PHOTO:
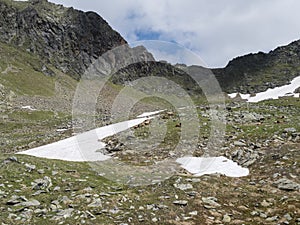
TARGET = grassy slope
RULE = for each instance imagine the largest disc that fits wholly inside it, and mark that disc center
(20, 73)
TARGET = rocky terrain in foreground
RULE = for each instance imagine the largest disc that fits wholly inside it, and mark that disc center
(263, 137)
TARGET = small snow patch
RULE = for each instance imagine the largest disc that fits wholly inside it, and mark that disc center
(232, 95)
(28, 107)
(245, 96)
(147, 114)
(275, 93)
(200, 166)
(272, 93)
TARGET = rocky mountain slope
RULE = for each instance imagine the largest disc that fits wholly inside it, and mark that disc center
(70, 40)
(254, 73)
(64, 37)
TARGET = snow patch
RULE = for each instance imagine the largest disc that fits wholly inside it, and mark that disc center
(232, 95)
(82, 147)
(275, 93)
(272, 93)
(245, 96)
(200, 166)
(28, 107)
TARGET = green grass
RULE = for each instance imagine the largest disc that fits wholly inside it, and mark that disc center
(20, 73)
(71, 174)
(24, 127)
(33, 116)
(290, 102)
(278, 114)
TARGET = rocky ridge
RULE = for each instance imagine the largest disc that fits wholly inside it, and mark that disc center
(67, 38)
(70, 40)
(257, 72)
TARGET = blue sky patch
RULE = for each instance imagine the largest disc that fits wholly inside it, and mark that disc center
(147, 35)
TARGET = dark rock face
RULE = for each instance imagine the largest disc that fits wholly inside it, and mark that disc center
(257, 72)
(157, 69)
(66, 38)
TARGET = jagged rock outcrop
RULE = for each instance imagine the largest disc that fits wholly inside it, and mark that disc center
(257, 72)
(125, 65)
(157, 69)
(67, 38)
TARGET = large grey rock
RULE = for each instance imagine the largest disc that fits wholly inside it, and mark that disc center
(180, 202)
(210, 202)
(15, 199)
(30, 167)
(96, 203)
(30, 203)
(290, 130)
(42, 184)
(239, 143)
(183, 187)
(286, 184)
(66, 213)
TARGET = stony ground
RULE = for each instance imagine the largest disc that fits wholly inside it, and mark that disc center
(263, 137)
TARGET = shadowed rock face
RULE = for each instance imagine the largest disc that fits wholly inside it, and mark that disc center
(66, 38)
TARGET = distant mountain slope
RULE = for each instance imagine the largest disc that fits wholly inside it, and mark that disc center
(250, 74)
(256, 72)
(66, 38)
(70, 40)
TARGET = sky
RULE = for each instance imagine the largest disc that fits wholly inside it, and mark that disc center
(215, 30)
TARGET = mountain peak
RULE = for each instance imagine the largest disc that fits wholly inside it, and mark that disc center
(67, 38)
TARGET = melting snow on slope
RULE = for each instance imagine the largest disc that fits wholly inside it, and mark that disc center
(82, 147)
(272, 93)
(211, 165)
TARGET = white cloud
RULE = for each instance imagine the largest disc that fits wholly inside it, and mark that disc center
(218, 30)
